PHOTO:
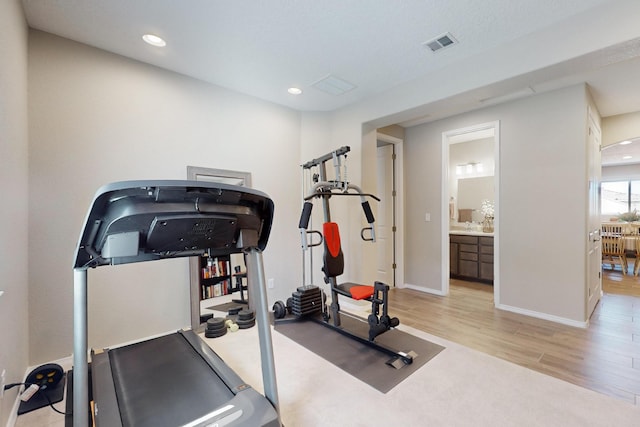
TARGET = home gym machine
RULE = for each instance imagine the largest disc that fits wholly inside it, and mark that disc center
(176, 379)
(309, 300)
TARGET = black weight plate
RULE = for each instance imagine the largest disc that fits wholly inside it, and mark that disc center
(246, 315)
(247, 325)
(220, 333)
(279, 310)
(245, 322)
(216, 330)
(215, 322)
(205, 317)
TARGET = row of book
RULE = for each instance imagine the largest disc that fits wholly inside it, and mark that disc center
(216, 290)
(216, 268)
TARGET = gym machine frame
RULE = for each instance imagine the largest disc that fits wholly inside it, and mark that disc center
(137, 221)
(324, 189)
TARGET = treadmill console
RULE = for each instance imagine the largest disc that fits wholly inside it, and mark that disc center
(135, 221)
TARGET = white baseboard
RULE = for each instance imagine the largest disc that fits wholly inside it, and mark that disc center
(13, 415)
(544, 316)
(423, 289)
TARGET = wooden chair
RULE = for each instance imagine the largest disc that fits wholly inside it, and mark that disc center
(633, 229)
(614, 229)
(613, 252)
(636, 262)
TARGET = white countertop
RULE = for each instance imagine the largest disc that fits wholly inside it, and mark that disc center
(470, 233)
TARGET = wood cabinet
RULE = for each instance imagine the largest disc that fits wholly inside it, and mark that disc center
(471, 257)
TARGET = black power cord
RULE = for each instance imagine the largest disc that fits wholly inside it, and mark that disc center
(40, 390)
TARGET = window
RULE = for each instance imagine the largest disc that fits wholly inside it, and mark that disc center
(619, 197)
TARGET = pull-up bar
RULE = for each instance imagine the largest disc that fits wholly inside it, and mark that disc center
(320, 160)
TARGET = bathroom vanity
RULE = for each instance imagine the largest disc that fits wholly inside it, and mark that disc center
(471, 255)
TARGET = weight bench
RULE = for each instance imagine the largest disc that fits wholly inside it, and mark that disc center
(333, 266)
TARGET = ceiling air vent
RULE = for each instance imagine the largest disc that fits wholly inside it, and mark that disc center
(440, 42)
(333, 85)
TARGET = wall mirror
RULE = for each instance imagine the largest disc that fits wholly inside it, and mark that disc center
(471, 177)
(471, 193)
(199, 303)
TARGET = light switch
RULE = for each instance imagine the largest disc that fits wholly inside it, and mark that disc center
(427, 217)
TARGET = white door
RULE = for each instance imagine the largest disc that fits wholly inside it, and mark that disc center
(594, 257)
(384, 219)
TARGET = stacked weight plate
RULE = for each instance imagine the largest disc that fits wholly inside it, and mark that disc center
(216, 327)
(305, 301)
(246, 319)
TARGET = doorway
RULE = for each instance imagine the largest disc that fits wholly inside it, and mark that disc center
(476, 217)
(619, 192)
(390, 229)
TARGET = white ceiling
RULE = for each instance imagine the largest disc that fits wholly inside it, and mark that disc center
(263, 47)
(622, 153)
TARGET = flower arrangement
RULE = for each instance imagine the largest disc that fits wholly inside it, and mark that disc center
(488, 209)
(629, 216)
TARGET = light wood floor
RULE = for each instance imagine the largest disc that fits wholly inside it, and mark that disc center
(605, 357)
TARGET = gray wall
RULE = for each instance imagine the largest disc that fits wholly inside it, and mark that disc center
(621, 172)
(618, 128)
(14, 261)
(542, 200)
(97, 117)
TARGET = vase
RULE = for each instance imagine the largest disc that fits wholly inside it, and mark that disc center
(487, 224)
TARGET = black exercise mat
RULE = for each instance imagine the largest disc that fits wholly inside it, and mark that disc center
(42, 398)
(363, 362)
(227, 306)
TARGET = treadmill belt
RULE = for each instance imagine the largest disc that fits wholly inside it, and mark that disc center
(164, 382)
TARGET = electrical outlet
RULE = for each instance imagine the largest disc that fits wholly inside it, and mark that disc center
(3, 381)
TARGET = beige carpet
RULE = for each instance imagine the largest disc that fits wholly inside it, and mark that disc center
(458, 387)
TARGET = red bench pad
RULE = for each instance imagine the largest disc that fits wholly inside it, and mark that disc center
(361, 292)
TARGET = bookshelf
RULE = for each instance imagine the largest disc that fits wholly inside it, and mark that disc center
(213, 281)
(215, 276)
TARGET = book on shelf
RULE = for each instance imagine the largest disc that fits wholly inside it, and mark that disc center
(216, 268)
(216, 289)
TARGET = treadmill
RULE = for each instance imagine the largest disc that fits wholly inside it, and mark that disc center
(176, 379)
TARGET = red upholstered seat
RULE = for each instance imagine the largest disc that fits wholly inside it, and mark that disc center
(333, 263)
(361, 292)
(332, 238)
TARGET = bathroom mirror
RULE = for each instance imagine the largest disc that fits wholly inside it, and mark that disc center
(471, 193)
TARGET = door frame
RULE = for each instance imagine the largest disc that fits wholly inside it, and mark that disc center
(447, 138)
(594, 242)
(398, 208)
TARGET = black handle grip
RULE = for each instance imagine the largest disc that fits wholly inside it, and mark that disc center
(306, 214)
(367, 212)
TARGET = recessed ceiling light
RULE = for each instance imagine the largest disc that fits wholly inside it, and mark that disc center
(154, 40)
(625, 143)
(627, 157)
(294, 91)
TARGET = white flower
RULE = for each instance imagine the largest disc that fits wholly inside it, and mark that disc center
(487, 208)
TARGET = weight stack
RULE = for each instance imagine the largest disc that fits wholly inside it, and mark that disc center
(305, 301)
